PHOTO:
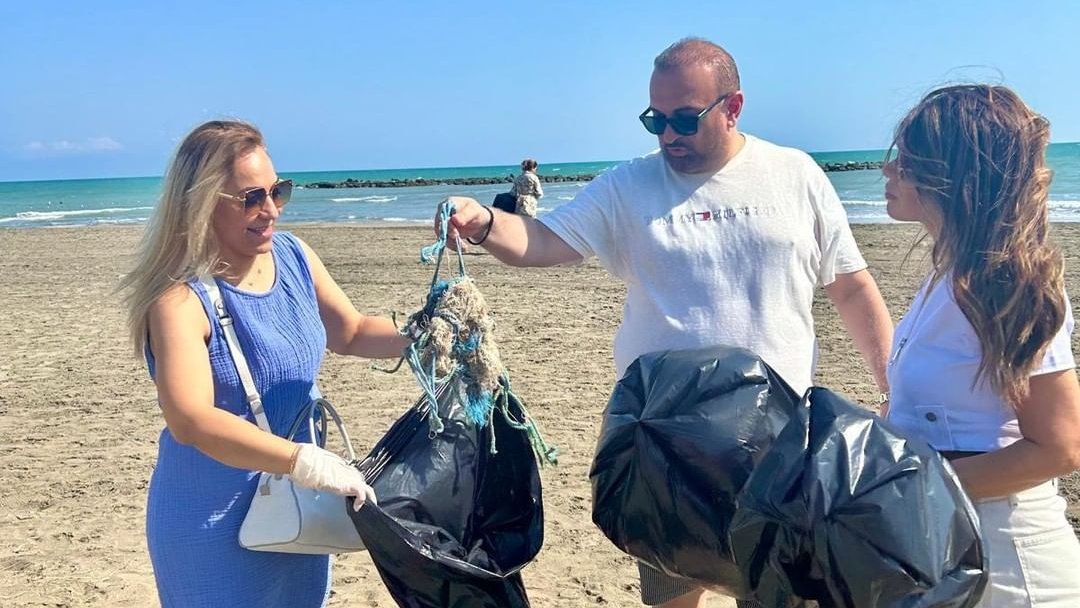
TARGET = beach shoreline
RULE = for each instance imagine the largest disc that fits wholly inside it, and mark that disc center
(79, 423)
(408, 195)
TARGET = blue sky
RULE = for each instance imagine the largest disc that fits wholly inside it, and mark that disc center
(107, 88)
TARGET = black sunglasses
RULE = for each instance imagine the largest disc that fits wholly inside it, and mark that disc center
(683, 124)
(255, 198)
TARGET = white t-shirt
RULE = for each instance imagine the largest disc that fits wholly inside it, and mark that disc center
(728, 258)
(932, 371)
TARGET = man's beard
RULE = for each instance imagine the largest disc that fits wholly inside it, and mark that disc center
(691, 161)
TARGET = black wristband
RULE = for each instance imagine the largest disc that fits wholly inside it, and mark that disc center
(491, 222)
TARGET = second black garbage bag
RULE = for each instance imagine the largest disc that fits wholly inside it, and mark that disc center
(709, 467)
(845, 510)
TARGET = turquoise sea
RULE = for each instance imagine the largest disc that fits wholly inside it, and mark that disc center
(88, 202)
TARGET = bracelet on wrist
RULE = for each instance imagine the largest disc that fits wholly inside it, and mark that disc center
(487, 231)
(293, 458)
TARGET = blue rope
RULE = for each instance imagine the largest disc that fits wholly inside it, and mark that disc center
(429, 383)
(544, 453)
(435, 251)
(478, 406)
(428, 378)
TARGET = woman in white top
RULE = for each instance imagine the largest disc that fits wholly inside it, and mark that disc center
(981, 366)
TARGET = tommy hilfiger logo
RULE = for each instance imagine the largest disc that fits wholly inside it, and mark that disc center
(715, 215)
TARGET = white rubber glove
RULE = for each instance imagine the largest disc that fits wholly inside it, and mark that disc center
(325, 471)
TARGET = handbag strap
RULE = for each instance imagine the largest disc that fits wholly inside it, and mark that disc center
(253, 398)
(325, 410)
(326, 413)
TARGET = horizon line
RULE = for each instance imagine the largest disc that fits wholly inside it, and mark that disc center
(428, 168)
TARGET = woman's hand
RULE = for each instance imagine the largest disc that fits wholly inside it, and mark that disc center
(325, 471)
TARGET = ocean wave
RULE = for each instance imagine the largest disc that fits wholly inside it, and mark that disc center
(866, 203)
(404, 219)
(118, 221)
(1052, 204)
(49, 216)
(365, 199)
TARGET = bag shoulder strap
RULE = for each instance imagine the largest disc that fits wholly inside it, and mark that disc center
(225, 321)
(321, 412)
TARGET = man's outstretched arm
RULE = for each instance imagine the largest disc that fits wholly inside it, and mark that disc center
(858, 302)
(513, 239)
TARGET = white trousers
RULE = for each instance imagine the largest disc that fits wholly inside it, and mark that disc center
(1032, 551)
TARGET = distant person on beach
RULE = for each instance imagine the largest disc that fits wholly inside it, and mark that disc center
(527, 189)
(982, 366)
(722, 239)
(216, 218)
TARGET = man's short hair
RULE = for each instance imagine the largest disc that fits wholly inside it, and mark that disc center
(699, 51)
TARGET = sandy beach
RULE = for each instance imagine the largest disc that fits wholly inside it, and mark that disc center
(79, 423)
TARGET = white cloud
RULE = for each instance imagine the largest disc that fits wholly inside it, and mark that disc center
(90, 145)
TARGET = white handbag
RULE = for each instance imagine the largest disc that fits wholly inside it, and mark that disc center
(285, 517)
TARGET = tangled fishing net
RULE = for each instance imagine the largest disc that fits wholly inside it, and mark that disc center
(455, 335)
(454, 339)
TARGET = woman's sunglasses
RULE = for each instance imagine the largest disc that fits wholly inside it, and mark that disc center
(255, 198)
(683, 124)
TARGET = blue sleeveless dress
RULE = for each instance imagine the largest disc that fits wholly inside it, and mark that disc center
(196, 504)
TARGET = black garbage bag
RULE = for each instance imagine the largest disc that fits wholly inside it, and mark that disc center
(707, 468)
(455, 523)
(681, 435)
(505, 201)
(845, 510)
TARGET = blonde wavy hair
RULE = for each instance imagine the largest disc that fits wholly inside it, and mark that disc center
(976, 154)
(179, 243)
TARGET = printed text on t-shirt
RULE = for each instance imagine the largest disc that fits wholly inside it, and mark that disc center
(715, 215)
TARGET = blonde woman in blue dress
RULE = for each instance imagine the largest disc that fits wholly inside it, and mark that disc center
(217, 216)
(981, 365)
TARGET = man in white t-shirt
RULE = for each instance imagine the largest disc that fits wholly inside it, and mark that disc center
(720, 237)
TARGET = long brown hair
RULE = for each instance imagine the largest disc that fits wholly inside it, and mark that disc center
(976, 155)
(178, 243)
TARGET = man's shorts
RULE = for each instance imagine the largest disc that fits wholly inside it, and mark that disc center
(657, 588)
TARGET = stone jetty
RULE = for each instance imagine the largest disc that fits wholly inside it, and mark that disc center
(481, 181)
(851, 165)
